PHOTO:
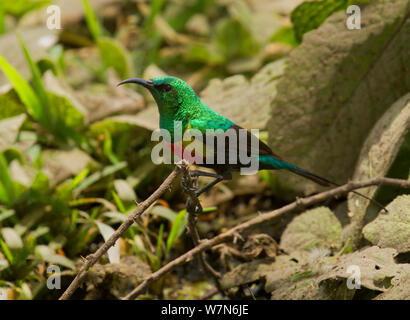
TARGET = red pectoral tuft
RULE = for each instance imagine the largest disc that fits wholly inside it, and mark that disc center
(180, 152)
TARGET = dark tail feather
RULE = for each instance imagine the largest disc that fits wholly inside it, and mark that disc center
(313, 177)
(325, 182)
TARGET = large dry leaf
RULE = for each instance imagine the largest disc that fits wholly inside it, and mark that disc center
(110, 99)
(246, 273)
(377, 268)
(246, 103)
(303, 289)
(124, 191)
(276, 272)
(22, 174)
(107, 231)
(9, 129)
(337, 85)
(316, 228)
(392, 230)
(47, 254)
(379, 151)
(59, 165)
(287, 277)
(116, 278)
(105, 101)
(146, 119)
(399, 291)
(11, 238)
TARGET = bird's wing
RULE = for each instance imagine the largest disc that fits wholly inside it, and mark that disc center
(257, 147)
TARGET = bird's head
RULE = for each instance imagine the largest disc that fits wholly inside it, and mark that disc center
(170, 93)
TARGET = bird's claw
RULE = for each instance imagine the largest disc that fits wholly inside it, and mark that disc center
(193, 208)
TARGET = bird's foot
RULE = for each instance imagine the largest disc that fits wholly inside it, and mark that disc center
(193, 208)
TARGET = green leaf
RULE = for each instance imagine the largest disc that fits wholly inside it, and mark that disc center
(124, 123)
(285, 35)
(11, 105)
(233, 40)
(68, 114)
(310, 15)
(113, 55)
(205, 53)
(40, 182)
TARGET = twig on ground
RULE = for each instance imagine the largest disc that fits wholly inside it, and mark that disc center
(91, 259)
(209, 295)
(263, 218)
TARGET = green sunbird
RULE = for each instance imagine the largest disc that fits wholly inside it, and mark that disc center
(177, 101)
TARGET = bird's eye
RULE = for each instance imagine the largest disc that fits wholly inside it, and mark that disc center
(164, 87)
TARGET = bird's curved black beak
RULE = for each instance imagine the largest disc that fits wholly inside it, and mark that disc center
(149, 84)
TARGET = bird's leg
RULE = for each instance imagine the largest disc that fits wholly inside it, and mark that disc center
(199, 173)
(218, 178)
(209, 185)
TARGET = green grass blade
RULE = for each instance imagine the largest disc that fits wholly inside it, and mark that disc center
(118, 202)
(178, 226)
(23, 89)
(108, 148)
(92, 21)
(159, 246)
(2, 18)
(6, 181)
(93, 178)
(156, 6)
(36, 78)
(7, 251)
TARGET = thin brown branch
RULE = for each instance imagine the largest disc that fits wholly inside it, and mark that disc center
(91, 259)
(263, 218)
(194, 208)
